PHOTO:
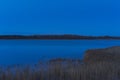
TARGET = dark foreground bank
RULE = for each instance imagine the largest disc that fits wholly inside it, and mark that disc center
(98, 64)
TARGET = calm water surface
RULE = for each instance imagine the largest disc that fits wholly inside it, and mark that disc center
(32, 51)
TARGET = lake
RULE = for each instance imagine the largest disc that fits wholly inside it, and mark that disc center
(31, 51)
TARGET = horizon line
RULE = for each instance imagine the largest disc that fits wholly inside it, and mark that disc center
(54, 34)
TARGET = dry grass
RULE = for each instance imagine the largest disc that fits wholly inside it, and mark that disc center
(64, 69)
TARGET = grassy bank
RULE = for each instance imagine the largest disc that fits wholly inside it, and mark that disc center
(98, 64)
(63, 70)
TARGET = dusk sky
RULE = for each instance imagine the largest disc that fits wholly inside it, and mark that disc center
(84, 17)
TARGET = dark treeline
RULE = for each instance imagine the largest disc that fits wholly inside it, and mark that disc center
(68, 36)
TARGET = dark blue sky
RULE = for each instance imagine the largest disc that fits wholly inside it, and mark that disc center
(85, 17)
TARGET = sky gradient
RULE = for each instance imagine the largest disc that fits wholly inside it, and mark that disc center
(84, 17)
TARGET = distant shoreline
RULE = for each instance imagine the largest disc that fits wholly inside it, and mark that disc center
(57, 37)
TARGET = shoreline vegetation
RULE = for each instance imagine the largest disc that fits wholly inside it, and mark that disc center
(98, 64)
(59, 37)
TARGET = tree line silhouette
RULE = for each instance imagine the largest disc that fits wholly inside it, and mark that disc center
(65, 36)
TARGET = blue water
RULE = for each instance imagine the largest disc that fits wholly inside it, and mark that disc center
(32, 51)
